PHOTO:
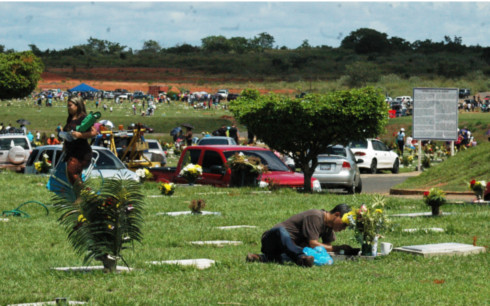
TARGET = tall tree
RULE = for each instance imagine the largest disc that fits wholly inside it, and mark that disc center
(262, 41)
(365, 41)
(216, 44)
(19, 74)
(151, 46)
(311, 123)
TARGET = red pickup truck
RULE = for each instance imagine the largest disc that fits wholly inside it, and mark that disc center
(213, 162)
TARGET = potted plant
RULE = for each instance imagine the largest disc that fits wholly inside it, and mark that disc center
(435, 198)
(244, 169)
(478, 187)
(102, 224)
(191, 172)
(368, 224)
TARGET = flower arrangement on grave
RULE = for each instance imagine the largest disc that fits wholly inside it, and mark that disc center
(100, 225)
(144, 174)
(435, 198)
(167, 189)
(407, 160)
(197, 206)
(426, 161)
(44, 165)
(244, 169)
(191, 172)
(368, 224)
(478, 187)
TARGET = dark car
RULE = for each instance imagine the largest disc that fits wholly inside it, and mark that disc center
(464, 93)
(232, 96)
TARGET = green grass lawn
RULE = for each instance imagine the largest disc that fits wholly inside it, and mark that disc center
(31, 246)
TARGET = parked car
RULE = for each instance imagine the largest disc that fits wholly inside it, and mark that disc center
(216, 140)
(464, 93)
(155, 152)
(139, 95)
(337, 168)
(15, 149)
(232, 96)
(108, 95)
(375, 155)
(213, 160)
(223, 93)
(107, 165)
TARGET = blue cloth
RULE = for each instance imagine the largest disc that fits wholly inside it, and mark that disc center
(277, 246)
(320, 254)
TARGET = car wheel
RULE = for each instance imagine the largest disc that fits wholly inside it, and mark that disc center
(374, 166)
(396, 166)
(351, 189)
(359, 186)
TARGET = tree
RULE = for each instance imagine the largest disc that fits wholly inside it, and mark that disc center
(365, 41)
(311, 123)
(360, 73)
(262, 41)
(216, 44)
(151, 46)
(19, 74)
(239, 44)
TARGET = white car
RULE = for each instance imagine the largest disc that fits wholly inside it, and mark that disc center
(375, 155)
(107, 165)
(15, 149)
(155, 152)
(223, 93)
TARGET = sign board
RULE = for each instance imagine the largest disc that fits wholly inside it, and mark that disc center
(435, 113)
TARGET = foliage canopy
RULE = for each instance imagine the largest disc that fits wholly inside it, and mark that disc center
(303, 127)
(19, 74)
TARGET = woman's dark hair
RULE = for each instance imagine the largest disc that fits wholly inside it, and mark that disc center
(78, 101)
(341, 208)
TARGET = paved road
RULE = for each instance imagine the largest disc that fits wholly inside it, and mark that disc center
(381, 182)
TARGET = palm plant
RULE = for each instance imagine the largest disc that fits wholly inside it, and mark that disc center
(101, 224)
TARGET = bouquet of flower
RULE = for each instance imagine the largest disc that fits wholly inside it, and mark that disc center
(367, 222)
(143, 174)
(44, 165)
(251, 164)
(167, 189)
(435, 198)
(191, 172)
(478, 187)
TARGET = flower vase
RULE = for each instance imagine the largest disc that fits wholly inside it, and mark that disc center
(366, 250)
(374, 247)
(436, 210)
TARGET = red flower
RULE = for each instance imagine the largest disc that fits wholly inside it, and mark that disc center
(426, 193)
(472, 182)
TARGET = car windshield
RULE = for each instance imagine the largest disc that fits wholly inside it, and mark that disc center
(213, 141)
(358, 144)
(7, 143)
(267, 158)
(108, 161)
(336, 151)
(152, 145)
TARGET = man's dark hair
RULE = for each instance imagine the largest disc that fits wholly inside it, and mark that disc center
(341, 208)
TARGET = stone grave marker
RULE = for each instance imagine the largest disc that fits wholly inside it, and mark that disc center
(90, 268)
(4, 220)
(200, 263)
(187, 212)
(235, 226)
(438, 249)
(216, 242)
(420, 214)
(58, 301)
(431, 229)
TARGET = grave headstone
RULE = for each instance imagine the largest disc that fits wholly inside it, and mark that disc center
(4, 219)
(449, 248)
(420, 214)
(90, 268)
(200, 263)
(187, 212)
(56, 302)
(235, 226)
(431, 229)
(216, 242)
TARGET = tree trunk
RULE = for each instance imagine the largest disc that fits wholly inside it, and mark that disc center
(307, 173)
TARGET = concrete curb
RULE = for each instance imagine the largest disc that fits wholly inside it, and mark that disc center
(421, 192)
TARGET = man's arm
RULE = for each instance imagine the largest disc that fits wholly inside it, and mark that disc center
(333, 248)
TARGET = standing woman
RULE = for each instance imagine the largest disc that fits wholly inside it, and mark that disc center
(78, 152)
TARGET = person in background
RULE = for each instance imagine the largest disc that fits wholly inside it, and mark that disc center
(400, 139)
(233, 132)
(38, 136)
(188, 136)
(52, 140)
(58, 129)
(30, 136)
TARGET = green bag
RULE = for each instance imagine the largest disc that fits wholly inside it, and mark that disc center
(88, 121)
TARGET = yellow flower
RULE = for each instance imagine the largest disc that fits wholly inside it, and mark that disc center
(37, 165)
(81, 218)
(379, 211)
(345, 217)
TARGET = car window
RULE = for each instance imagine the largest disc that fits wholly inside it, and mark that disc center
(376, 146)
(107, 161)
(336, 151)
(211, 158)
(359, 144)
(191, 156)
(267, 158)
(213, 141)
(8, 143)
(32, 157)
(152, 145)
(383, 147)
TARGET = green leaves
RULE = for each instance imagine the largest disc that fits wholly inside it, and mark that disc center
(304, 127)
(19, 74)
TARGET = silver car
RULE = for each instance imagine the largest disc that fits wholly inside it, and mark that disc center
(337, 168)
(107, 165)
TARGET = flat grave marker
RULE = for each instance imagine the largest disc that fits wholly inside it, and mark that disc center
(188, 212)
(56, 302)
(419, 214)
(90, 269)
(200, 263)
(235, 226)
(431, 229)
(4, 219)
(448, 249)
(216, 242)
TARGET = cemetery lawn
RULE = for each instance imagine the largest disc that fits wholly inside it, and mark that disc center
(456, 172)
(30, 247)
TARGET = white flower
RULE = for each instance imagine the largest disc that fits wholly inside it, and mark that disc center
(263, 184)
(45, 156)
(316, 186)
(140, 173)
